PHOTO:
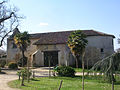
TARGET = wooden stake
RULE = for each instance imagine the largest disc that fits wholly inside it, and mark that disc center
(33, 74)
(112, 85)
(19, 75)
(60, 85)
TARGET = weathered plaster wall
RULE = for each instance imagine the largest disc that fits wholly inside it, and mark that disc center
(37, 58)
(102, 42)
(11, 52)
(61, 53)
(97, 43)
(15, 53)
(65, 56)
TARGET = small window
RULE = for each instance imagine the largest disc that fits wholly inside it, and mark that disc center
(112, 41)
(101, 50)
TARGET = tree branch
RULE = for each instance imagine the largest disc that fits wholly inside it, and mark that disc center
(1, 42)
(5, 18)
(2, 2)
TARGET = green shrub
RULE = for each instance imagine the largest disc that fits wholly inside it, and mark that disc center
(65, 71)
(13, 65)
(24, 72)
(2, 63)
(24, 62)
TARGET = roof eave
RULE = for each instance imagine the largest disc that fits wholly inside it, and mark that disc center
(48, 43)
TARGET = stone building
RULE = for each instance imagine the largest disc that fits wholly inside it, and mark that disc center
(52, 46)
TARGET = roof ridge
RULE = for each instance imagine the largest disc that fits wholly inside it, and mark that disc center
(98, 32)
(59, 31)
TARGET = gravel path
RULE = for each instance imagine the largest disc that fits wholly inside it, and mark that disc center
(5, 78)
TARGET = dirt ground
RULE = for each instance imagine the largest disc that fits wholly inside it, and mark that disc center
(11, 75)
(5, 78)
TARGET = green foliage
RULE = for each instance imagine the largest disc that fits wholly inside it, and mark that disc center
(24, 72)
(65, 71)
(22, 40)
(24, 61)
(2, 63)
(77, 42)
(80, 70)
(13, 65)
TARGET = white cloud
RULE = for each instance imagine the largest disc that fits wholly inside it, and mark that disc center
(43, 24)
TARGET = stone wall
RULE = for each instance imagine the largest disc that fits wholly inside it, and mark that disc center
(101, 42)
(14, 54)
(59, 47)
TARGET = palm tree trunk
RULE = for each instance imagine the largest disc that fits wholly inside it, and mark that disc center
(76, 61)
(83, 74)
(23, 58)
(22, 82)
(87, 64)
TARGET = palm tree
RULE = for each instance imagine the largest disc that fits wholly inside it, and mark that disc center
(22, 41)
(77, 43)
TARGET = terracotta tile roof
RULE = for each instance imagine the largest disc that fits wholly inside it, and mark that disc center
(62, 37)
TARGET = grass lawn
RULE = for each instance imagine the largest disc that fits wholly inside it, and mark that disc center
(80, 70)
(85, 70)
(52, 83)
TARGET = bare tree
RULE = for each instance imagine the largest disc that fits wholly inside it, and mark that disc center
(8, 20)
(92, 55)
(109, 66)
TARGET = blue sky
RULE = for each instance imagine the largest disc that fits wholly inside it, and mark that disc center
(62, 15)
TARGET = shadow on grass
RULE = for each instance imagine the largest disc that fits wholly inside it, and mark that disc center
(117, 83)
(32, 79)
(79, 77)
(25, 85)
(67, 78)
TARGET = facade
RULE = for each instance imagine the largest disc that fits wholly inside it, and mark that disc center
(51, 48)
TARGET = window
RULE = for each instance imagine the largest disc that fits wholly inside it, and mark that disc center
(101, 50)
(112, 41)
